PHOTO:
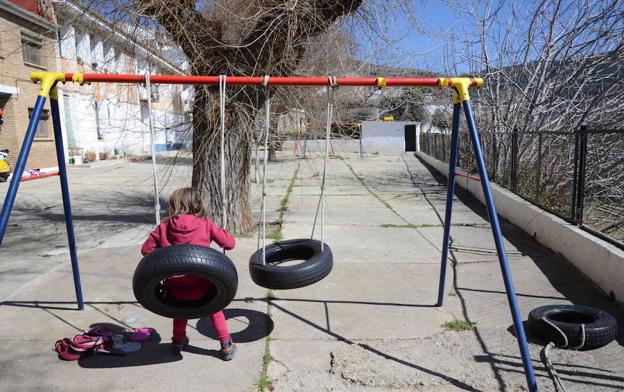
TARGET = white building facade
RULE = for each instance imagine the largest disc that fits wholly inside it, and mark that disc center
(104, 119)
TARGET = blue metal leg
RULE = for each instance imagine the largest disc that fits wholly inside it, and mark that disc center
(69, 224)
(500, 249)
(450, 191)
(20, 164)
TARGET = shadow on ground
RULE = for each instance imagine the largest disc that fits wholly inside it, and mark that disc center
(561, 274)
(258, 325)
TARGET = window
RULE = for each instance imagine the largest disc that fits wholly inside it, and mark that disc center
(31, 50)
(42, 129)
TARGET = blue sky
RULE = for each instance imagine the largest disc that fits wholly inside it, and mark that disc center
(421, 39)
(418, 39)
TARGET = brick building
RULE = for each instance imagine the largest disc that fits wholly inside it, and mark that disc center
(28, 43)
(98, 120)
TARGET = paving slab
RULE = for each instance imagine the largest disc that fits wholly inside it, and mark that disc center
(44, 312)
(369, 326)
(348, 305)
(355, 243)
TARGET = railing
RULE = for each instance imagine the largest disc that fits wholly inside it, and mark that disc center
(578, 176)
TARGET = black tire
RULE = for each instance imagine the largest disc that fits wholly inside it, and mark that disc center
(195, 260)
(4, 177)
(317, 264)
(600, 327)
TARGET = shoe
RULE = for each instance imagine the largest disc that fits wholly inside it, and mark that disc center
(178, 344)
(228, 350)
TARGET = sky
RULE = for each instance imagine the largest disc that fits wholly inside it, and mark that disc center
(413, 40)
(421, 38)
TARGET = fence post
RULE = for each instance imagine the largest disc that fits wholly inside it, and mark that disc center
(493, 174)
(514, 158)
(539, 167)
(580, 197)
(573, 205)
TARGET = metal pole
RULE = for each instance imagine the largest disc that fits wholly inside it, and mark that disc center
(575, 182)
(361, 146)
(580, 205)
(20, 164)
(148, 88)
(450, 192)
(514, 159)
(500, 249)
(259, 80)
(494, 160)
(539, 167)
(69, 224)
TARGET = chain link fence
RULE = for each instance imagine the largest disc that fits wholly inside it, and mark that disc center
(579, 176)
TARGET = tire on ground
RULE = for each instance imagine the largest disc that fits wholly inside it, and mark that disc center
(600, 327)
(195, 260)
(318, 263)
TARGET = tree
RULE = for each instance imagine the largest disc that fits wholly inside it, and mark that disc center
(250, 37)
(441, 119)
(407, 106)
(550, 66)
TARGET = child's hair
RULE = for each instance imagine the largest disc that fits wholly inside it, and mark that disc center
(187, 201)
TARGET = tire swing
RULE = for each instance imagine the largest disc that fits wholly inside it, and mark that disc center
(265, 265)
(573, 326)
(200, 261)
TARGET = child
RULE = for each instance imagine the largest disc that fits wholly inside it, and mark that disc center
(188, 223)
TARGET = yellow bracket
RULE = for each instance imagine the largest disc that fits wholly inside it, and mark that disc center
(48, 82)
(461, 86)
(78, 77)
(380, 82)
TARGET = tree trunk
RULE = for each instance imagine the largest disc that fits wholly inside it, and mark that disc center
(207, 159)
(272, 154)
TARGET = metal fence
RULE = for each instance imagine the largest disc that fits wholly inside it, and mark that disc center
(578, 175)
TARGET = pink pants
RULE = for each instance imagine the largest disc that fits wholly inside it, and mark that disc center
(218, 324)
(189, 288)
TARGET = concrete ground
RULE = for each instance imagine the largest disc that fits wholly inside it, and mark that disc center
(371, 325)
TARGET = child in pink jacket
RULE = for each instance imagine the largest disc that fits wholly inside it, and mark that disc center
(188, 224)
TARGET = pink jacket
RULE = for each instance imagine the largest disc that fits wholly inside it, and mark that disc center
(187, 229)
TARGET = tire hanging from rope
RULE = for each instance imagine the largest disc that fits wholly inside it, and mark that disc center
(202, 261)
(264, 264)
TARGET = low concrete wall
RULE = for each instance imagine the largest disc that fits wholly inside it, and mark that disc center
(600, 261)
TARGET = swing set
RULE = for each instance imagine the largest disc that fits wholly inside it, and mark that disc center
(264, 264)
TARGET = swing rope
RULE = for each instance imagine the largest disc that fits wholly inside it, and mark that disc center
(331, 103)
(222, 98)
(267, 127)
(148, 88)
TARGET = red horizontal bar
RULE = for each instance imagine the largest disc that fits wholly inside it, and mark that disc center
(468, 177)
(255, 80)
(39, 176)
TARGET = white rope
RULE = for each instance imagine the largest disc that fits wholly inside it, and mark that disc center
(267, 127)
(546, 351)
(148, 88)
(222, 85)
(330, 109)
(551, 369)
